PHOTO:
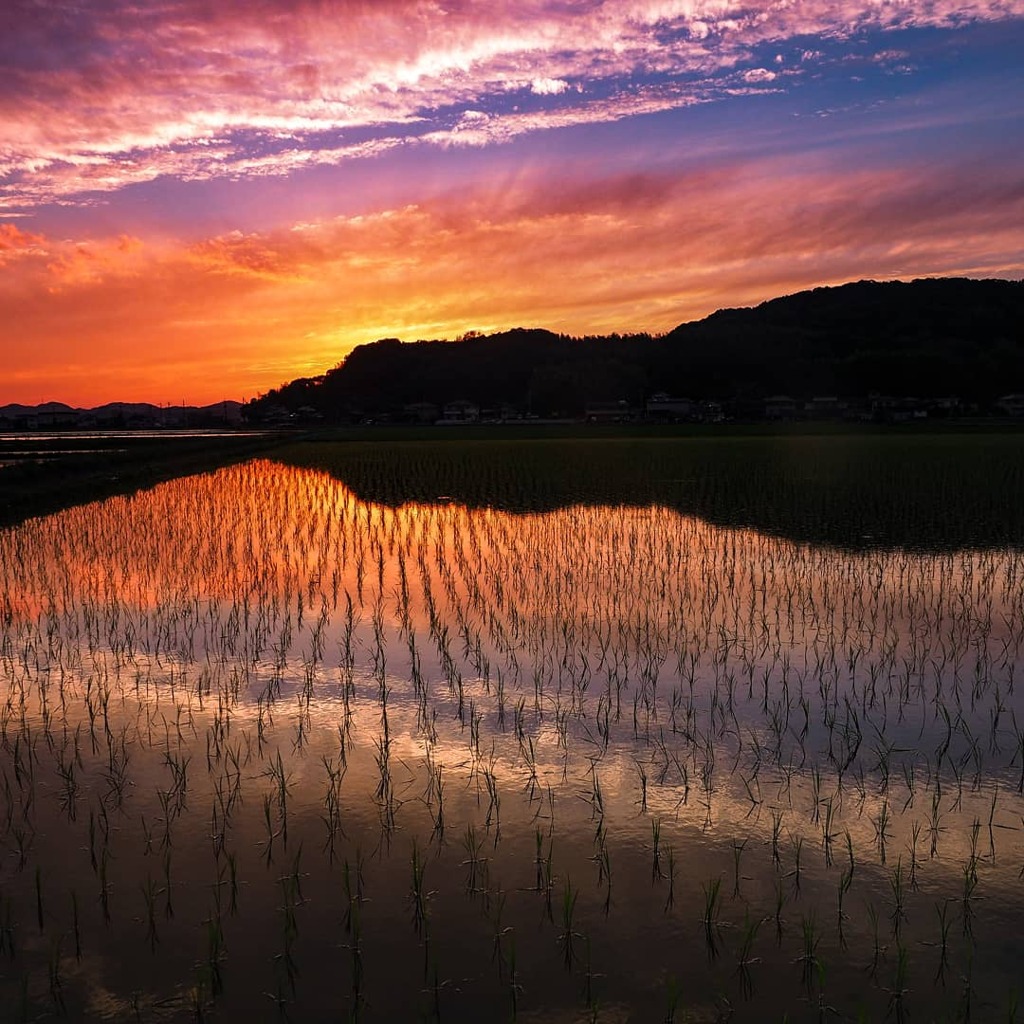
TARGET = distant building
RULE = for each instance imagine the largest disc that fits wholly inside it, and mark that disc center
(824, 407)
(56, 419)
(1011, 405)
(950, 405)
(21, 421)
(711, 412)
(609, 412)
(273, 416)
(460, 411)
(504, 413)
(780, 407)
(420, 412)
(888, 409)
(857, 410)
(662, 408)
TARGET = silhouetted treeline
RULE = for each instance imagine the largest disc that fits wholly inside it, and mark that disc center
(926, 338)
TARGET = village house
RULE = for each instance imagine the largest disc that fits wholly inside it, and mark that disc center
(1011, 405)
(459, 411)
(780, 407)
(609, 412)
(662, 408)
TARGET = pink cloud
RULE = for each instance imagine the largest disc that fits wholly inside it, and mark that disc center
(97, 99)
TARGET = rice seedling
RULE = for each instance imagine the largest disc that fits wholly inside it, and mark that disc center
(780, 903)
(798, 847)
(673, 999)
(514, 988)
(54, 979)
(418, 895)
(898, 913)
(810, 966)
(472, 843)
(567, 938)
(149, 894)
(746, 959)
(656, 874)
(737, 853)
(39, 898)
(75, 927)
(712, 904)
(670, 897)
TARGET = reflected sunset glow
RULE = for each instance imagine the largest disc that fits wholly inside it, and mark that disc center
(618, 593)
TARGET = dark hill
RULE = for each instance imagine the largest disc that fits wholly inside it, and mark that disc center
(926, 338)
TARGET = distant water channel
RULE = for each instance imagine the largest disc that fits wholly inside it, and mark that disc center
(43, 446)
(541, 731)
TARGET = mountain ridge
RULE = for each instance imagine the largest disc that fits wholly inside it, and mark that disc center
(116, 414)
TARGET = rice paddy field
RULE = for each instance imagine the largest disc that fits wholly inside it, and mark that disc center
(549, 731)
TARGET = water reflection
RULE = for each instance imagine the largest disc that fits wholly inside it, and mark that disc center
(584, 761)
(920, 492)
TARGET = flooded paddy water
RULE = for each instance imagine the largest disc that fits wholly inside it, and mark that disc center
(543, 731)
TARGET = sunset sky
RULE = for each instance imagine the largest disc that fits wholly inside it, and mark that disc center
(200, 200)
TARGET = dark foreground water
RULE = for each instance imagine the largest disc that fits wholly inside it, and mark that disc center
(546, 732)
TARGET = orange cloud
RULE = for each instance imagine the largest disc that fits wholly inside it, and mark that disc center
(11, 237)
(91, 262)
(15, 243)
(235, 314)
